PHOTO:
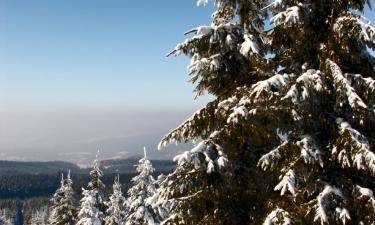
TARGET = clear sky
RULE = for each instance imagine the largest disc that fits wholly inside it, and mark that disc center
(78, 75)
(96, 53)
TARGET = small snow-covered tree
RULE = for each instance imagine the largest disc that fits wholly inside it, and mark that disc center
(63, 211)
(56, 212)
(142, 188)
(39, 217)
(96, 185)
(115, 205)
(88, 213)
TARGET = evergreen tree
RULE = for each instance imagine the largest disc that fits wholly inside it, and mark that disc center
(68, 209)
(56, 208)
(63, 211)
(304, 114)
(39, 217)
(217, 182)
(115, 210)
(143, 187)
(89, 214)
(96, 185)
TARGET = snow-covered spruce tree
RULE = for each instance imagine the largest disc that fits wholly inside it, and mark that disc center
(88, 213)
(39, 217)
(63, 211)
(310, 122)
(218, 182)
(96, 185)
(143, 187)
(68, 208)
(115, 205)
(56, 201)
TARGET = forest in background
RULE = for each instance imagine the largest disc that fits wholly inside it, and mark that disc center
(26, 187)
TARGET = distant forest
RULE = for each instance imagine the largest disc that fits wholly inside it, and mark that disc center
(26, 187)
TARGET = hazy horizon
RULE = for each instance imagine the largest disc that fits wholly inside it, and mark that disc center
(75, 136)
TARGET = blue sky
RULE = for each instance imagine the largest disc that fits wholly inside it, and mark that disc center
(102, 53)
(78, 75)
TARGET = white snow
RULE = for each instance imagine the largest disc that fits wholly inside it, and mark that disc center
(290, 16)
(202, 2)
(288, 183)
(265, 86)
(366, 30)
(343, 87)
(310, 79)
(278, 217)
(249, 46)
(309, 150)
(358, 148)
(322, 203)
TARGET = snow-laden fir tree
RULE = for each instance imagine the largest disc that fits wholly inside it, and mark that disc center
(56, 201)
(305, 116)
(217, 182)
(116, 205)
(96, 185)
(88, 213)
(63, 211)
(143, 187)
(39, 217)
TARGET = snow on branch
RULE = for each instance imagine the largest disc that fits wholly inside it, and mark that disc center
(367, 194)
(287, 183)
(277, 81)
(354, 146)
(200, 64)
(355, 24)
(275, 4)
(310, 152)
(290, 16)
(186, 131)
(343, 215)
(323, 201)
(212, 154)
(366, 87)
(202, 2)
(344, 89)
(359, 81)
(227, 103)
(278, 217)
(250, 46)
(269, 160)
(211, 34)
(236, 108)
(311, 79)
